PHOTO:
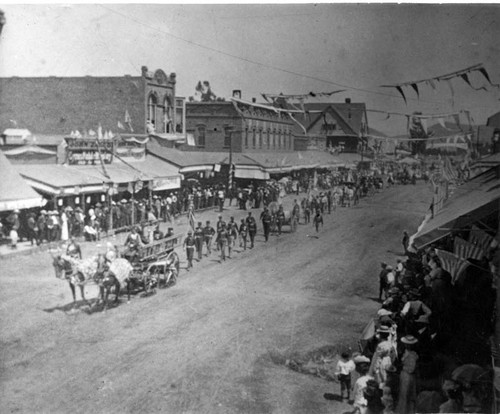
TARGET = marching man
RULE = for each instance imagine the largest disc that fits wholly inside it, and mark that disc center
(189, 244)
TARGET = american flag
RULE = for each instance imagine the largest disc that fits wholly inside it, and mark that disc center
(449, 172)
(453, 264)
(480, 238)
(191, 220)
(467, 250)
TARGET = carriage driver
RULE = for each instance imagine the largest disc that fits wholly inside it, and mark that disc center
(73, 250)
(132, 244)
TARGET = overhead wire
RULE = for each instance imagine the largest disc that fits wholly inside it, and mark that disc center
(247, 60)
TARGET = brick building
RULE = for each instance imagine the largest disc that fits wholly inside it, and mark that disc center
(249, 127)
(59, 105)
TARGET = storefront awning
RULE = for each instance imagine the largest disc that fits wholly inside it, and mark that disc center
(249, 172)
(15, 193)
(196, 168)
(471, 202)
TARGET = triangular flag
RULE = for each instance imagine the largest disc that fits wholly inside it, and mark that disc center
(465, 77)
(441, 122)
(106, 136)
(110, 134)
(415, 86)
(99, 132)
(485, 74)
(400, 90)
(127, 116)
(91, 133)
(431, 82)
(120, 125)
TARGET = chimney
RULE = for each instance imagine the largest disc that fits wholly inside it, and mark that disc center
(347, 100)
(237, 93)
(254, 100)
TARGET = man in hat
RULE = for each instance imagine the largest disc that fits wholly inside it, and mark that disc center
(198, 239)
(382, 281)
(132, 244)
(32, 230)
(252, 228)
(280, 218)
(243, 230)
(157, 233)
(208, 234)
(232, 230)
(413, 309)
(222, 241)
(220, 223)
(265, 217)
(189, 245)
(317, 220)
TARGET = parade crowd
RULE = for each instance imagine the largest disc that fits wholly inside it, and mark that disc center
(426, 349)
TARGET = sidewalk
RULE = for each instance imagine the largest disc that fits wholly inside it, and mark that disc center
(179, 224)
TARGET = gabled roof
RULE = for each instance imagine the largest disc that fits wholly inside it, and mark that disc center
(350, 114)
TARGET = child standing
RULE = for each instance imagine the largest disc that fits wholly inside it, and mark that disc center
(343, 372)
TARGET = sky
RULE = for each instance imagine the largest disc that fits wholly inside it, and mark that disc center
(264, 48)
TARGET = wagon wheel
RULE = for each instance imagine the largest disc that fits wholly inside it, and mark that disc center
(173, 257)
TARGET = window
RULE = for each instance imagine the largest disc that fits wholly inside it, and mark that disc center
(259, 139)
(201, 135)
(246, 137)
(180, 111)
(227, 137)
(254, 137)
(268, 138)
(274, 138)
(279, 139)
(167, 115)
(152, 104)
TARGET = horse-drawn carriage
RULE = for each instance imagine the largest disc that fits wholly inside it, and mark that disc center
(155, 264)
(291, 219)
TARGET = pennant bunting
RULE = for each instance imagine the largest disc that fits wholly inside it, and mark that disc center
(441, 122)
(467, 250)
(400, 90)
(415, 87)
(463, 74)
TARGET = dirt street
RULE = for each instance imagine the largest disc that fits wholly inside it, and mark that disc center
(215, 342)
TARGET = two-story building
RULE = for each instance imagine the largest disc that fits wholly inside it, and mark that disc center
(327, 125)
(58, 105)
(243, 127)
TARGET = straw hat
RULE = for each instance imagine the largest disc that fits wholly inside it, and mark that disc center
(409, 340)
(361, 359)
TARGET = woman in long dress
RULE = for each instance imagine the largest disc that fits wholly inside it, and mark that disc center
(64, 226)
(407, 383)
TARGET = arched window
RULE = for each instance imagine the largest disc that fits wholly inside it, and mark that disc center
(254, 137)
(246, 137)
(152, 104)
(259, 139)
(167, 115)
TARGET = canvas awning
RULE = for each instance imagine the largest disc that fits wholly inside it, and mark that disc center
(471, 202)
(15, 193)
(250, 172)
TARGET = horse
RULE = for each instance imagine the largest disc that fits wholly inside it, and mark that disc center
(106, 275)
(76, 272)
